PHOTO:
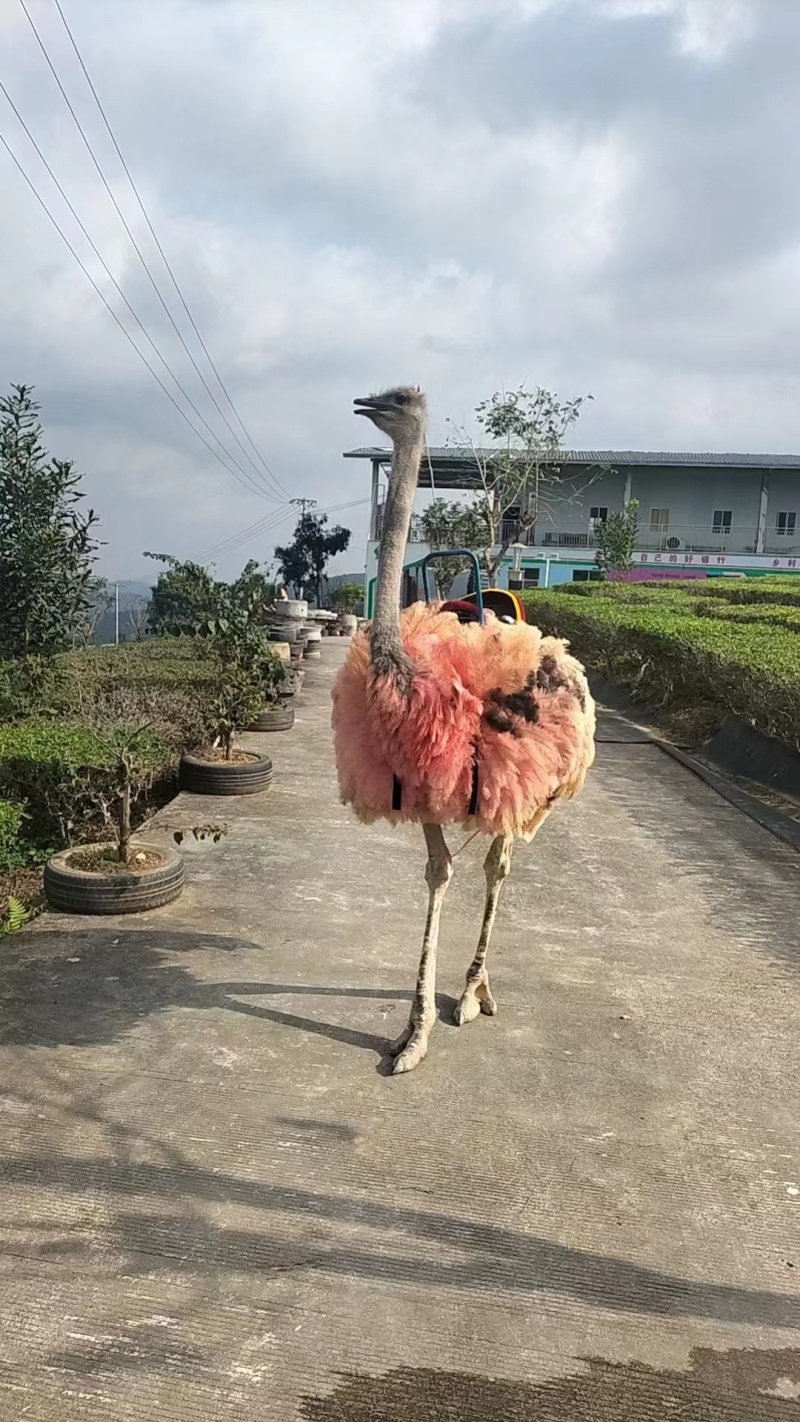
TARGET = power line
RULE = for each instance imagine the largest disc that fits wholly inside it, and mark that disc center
(162, 253)
(238, 540)
(255, 488)
(255, 530)
(115, 317)
(136, 246)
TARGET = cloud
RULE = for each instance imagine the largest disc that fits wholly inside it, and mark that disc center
(704, 29)
(588, 194)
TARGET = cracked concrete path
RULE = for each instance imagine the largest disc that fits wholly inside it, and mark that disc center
(213, 1205)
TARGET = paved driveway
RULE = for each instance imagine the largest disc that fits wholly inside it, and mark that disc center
(214, 1205)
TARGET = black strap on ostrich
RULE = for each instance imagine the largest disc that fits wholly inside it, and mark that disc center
(397, 791)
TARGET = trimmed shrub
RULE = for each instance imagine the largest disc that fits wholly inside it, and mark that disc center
(71, 776)
(784, 590)
(748, 669)
(768, 613)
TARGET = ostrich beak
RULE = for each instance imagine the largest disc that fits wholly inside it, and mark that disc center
(370, 404)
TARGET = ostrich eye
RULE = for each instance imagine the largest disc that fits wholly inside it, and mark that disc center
(401, 399)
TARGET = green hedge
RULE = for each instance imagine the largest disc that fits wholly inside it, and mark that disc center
(12, 851)
(785, 591)
(780, 591)
(767, 613)
(751, 669)
(179, 660)
(66, 774)
(691, 599)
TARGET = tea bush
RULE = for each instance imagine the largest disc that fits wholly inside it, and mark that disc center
(69, 776)
(751, 669)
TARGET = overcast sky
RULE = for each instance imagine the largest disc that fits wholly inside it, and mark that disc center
(592, 195)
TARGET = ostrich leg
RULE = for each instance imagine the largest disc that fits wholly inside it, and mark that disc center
(476, 996)
(412, 1045)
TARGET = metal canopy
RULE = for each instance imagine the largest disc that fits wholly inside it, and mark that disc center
(457, 468)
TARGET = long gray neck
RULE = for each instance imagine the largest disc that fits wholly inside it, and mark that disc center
(386, 645)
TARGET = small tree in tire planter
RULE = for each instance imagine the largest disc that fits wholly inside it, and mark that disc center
(248, 675)
(278, 686)
(125, 875)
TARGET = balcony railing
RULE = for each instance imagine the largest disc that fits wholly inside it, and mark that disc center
(672, 538)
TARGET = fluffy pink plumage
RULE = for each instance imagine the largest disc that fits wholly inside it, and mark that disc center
(501, 694)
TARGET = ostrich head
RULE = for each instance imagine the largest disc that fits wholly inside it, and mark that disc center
(400, 413)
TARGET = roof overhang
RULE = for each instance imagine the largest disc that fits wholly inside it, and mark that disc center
(459, 468)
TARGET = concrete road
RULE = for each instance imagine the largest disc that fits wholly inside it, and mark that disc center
(214, 1205)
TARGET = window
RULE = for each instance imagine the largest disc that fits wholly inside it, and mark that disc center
(586, 575)
(723, 518)
(597, 514)
(785, 524)
(523, 578)
(659, 520)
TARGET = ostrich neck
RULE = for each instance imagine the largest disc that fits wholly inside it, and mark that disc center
(387, 647)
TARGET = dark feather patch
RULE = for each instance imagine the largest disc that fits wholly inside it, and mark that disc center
(502, 709)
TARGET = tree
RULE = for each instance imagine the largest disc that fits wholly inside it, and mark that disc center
(137, 619)
(99, 601)
(616, 540)
(187, 595)
(348, 597)
(228, 617)
(446, 523)
(47, 549)
(248, 673)
(182, 597)
(254, 590)
(521, 479)
(302, 562)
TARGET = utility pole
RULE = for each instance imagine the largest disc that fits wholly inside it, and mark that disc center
(116, 614)
(304, 504)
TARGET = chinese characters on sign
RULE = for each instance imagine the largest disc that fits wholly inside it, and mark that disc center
(714, 559)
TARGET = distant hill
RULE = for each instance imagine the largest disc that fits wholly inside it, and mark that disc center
(336, 580)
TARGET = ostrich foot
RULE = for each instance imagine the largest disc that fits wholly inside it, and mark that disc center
(474, 1000)
(410, 1048)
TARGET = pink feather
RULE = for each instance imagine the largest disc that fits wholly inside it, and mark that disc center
(431, 738)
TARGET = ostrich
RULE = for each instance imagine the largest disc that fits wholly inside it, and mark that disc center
(443, 722)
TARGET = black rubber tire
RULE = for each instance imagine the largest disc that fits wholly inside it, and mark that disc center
(79, 891)
(215, 777)
(273, 718)
(283, 634)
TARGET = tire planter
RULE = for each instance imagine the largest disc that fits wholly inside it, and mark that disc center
(290, 632)
(312, 652)
(273, 718)
(219, 777)
(82, 891)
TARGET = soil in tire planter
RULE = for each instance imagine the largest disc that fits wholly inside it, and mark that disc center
(273, 718)
(90, 881)
(225, 777)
